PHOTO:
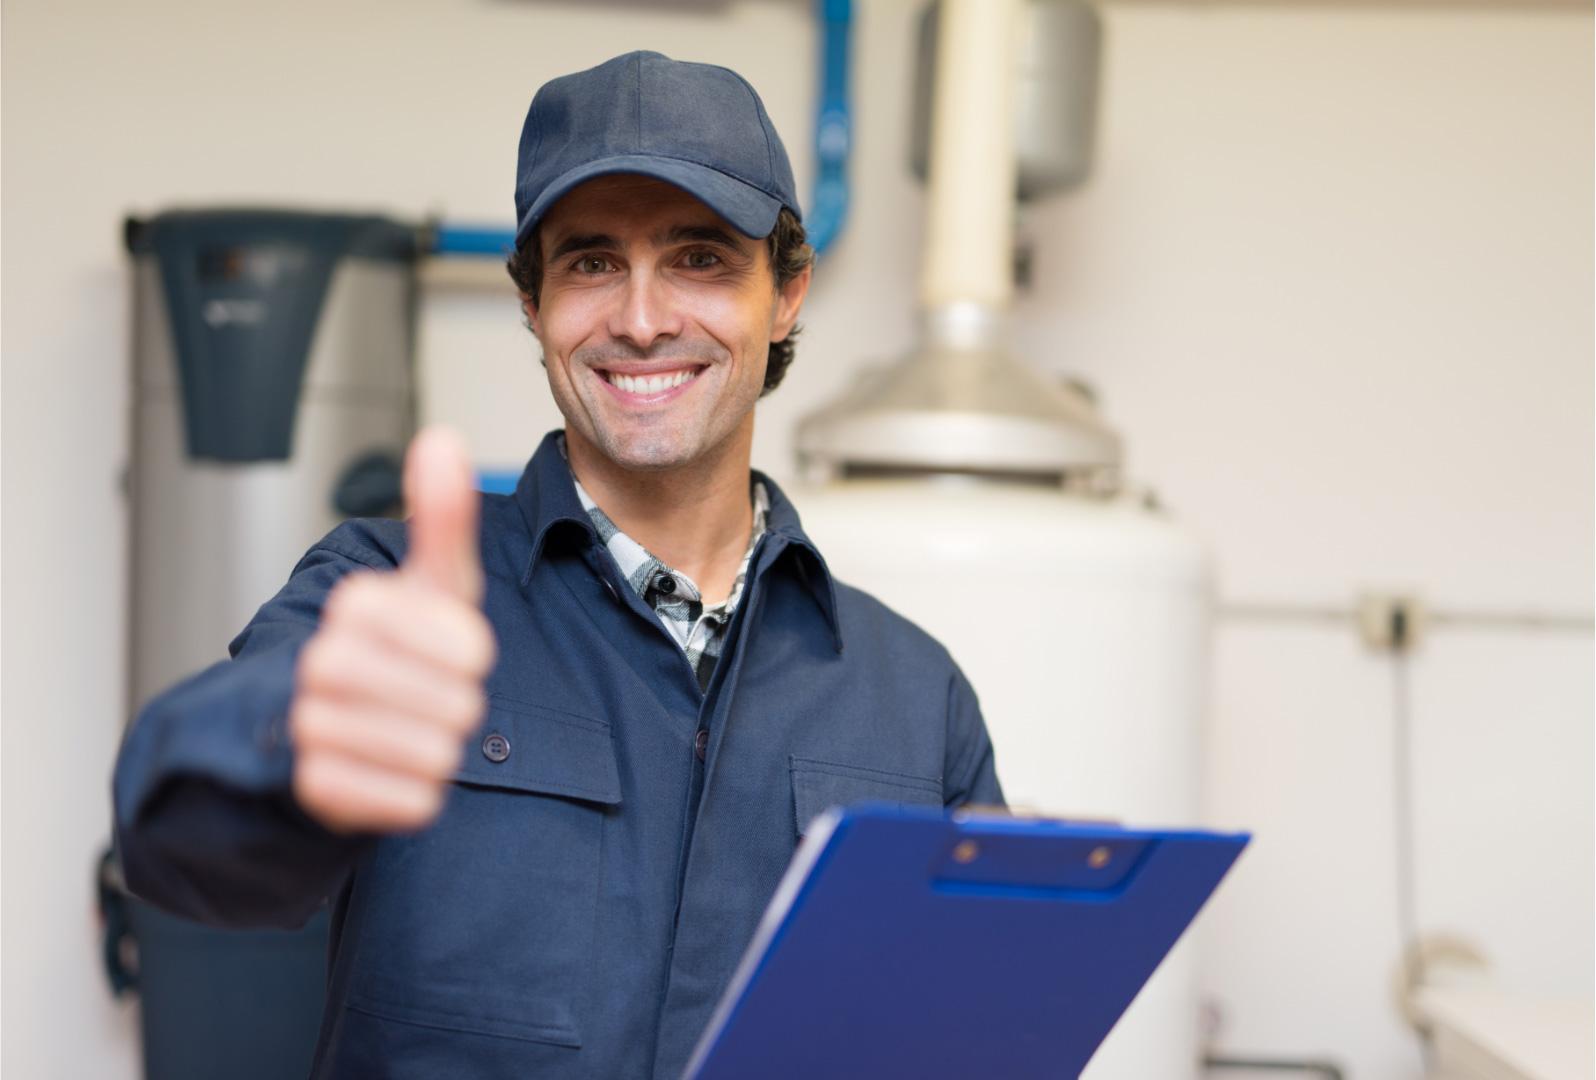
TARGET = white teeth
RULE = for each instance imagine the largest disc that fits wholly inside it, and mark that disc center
(650, 384)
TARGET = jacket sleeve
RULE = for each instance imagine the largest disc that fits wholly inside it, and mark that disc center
(206, 825)
(970, 775)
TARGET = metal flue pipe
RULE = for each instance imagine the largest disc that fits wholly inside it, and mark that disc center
(969, 256)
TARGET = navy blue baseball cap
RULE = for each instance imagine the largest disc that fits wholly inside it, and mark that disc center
(697, 126)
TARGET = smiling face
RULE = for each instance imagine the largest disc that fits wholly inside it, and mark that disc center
(656, 317)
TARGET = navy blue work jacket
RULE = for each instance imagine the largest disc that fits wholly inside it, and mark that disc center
(585, 895)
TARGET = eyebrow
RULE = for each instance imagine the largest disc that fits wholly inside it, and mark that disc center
(702, 234)
(681, 234)
(582, 243)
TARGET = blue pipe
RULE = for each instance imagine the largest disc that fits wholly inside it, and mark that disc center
(828, 208)
(497, 481)
(482, 241)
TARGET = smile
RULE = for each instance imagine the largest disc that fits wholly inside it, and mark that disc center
(654, 384)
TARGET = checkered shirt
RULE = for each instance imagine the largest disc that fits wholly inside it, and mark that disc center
(698, 628)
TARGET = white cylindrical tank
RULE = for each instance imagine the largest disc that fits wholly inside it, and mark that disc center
(1082, 623)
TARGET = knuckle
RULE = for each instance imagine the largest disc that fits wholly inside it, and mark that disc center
(423, 803)
(322, 658)
(312, 783)
(304, 722)
(484, 648)
(308, 669)
(362, 597)
(346, 595)
(469, 639)
(439, 757)
(465, 709)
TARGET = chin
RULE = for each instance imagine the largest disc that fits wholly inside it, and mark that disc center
(646, 453)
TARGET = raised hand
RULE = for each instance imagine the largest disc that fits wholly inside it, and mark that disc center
(391, 683)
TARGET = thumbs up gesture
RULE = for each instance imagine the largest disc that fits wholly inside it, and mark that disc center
(391, 683)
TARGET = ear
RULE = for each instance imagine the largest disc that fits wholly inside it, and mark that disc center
(530, 307)
(789, 298)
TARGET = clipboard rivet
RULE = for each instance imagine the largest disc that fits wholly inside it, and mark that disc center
(1099, 858)
(965, 851)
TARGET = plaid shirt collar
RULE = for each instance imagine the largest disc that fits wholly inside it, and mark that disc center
(697, 627)
(550, 508)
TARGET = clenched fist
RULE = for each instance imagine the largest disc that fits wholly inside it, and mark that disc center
(391, 683)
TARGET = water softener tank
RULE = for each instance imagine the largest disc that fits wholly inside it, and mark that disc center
(273, 396)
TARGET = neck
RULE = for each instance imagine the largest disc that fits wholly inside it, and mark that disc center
(694, 517)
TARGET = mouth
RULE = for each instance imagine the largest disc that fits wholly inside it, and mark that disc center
(650, 387)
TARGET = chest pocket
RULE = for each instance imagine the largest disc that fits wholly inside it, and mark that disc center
(819, 785)
(484, 922)
(544, 751)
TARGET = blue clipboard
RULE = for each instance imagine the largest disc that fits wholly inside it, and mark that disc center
(908, 942)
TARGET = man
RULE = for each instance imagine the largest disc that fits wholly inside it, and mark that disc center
(548, 766)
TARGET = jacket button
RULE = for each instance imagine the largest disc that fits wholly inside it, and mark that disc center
(701, 743)
(495, 747)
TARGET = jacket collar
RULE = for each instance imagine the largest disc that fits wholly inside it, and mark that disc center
(546, 496)
(810, 566)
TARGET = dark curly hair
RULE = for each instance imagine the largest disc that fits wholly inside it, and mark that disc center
(789, 250)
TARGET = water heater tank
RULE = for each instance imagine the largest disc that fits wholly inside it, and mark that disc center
(272, 396)
(1082, 623)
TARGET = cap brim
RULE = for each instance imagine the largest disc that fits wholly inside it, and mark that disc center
(751, 211)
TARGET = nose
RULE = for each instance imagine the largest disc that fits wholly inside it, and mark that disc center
(644, 314)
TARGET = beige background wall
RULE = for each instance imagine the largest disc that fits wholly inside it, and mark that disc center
(1333, 281)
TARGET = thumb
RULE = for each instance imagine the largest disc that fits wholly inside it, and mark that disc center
(443, 505)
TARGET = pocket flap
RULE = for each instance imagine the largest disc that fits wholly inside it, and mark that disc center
(819, 785)
(526, 747)
(465, 1008)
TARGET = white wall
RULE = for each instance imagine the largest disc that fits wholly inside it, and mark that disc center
(1333, 280)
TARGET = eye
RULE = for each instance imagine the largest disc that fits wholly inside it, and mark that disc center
(592, 264)
(701, 259)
